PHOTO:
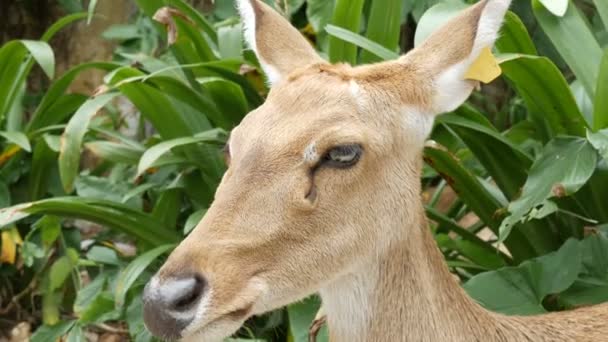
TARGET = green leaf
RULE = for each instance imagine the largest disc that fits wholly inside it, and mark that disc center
(50, 229)
(87, 294)
(570, 35)
(47, 114)
(505, 162)
(599, 141)
(557, 7)
(48, 333)
(103, 255)
(114, 215)
(193, 220)
(60, 24)
(476, 196)
(99, 310)
(514, 37)
(435, 17)
(115, 152)
(69, 156)
(592, 286)
(347, 14)
(156, 151)
(602, 9)
(59, 272)
(301, 316)
(383, 26)
(18, 139)
(600, 113)
(91, 11)
(523, 288)
(547, 95)
(229, 99)
(43, 54)
(76, 334)
(43, 160)
(130, 274)
(563, 167)
(168, 206)
(5, 195)
(351, 37)
(230, 41)
(319, 13)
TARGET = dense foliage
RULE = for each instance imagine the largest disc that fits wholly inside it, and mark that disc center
(527, 158)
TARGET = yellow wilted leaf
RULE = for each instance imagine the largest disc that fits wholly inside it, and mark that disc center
(485, 68)
(10, 240)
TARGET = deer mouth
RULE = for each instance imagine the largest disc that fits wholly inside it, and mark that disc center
(220, 327)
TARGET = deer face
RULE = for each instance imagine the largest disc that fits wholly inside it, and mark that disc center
(320, 178)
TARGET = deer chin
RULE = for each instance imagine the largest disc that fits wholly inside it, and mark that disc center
(214, 321)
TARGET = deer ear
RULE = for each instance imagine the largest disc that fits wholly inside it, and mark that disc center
(446, 57)
(279, 46)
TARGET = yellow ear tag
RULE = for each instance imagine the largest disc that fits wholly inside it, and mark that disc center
(485, 68)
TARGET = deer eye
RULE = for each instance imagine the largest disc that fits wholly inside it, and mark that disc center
(343, 156)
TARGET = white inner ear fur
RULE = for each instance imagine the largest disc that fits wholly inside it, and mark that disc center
(248, 18)
(452, 88)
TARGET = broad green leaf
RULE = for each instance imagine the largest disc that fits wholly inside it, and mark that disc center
(602, 9)
(348, 36)
(435, 17)
(562, 169)
(59, 272)
(43, 160)
(505, 162)
(195, 16)
(473, 247)
(592, 285)
(69, 156)
(301, 315)
(476, 196)
(156, 151)
(76, 334)
(229, 99)
(43, 54)
(46, 333)
(91, 11)
(18, 139)
(99, 310)
(319, 13)
(193, 220)
(130, 274)
(383, 27)
(50, 229)
(44, 114)
(571, 35)
(168, 206)
(115, 152)
(600, 113)
(550, 102)
(599, 141)
(347, 14)
(514, 37)
(60, 24)
(103, 255)
(557, 7)
(5, 195)
(230, 41)
(114, 215)
(523, 288)
(87, 294)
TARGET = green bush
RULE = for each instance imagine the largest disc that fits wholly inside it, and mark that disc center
(532, 168)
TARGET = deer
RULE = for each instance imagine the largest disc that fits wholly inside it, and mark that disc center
(322, 194)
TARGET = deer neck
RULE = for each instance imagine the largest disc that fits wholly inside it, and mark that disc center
(404, 291)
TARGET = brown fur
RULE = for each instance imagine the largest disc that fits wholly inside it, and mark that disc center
(362, 240)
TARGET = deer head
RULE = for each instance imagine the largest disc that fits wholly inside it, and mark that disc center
(321, 177)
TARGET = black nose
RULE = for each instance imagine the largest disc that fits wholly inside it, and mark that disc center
(170, 305)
